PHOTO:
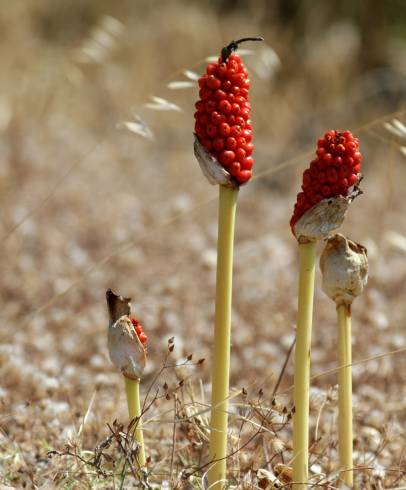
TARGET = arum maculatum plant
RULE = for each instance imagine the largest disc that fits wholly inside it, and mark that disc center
(329, 185)
(128, 352)
(223, 147)
(344, 267)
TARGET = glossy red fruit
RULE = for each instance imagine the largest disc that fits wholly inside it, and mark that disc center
(227, 157)
(332, 173)
(222, 115)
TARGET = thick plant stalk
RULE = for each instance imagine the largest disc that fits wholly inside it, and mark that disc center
(345, 434)
(307, 259)
(222, 333)
(132, 388)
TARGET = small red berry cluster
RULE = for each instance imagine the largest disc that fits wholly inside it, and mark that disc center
(336, 168)
(222, 116)
(139, 331)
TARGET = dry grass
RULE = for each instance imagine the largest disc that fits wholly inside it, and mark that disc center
(87, 205)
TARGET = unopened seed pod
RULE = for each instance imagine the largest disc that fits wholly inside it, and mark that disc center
(344, 267)
(126, 350)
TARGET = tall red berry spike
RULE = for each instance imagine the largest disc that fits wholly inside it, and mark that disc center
(331, 176)
(222, 119)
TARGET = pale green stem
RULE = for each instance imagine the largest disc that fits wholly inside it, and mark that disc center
(345, 434)
(307, 260)
(132, 388)
(222, 334)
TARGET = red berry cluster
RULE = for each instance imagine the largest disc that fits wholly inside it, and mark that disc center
(139, 331)
(222, 114)
(336, 168)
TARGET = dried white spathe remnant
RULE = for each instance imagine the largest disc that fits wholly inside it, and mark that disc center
(323, 218)
(126, 350)
(211, 168)
(344, 266)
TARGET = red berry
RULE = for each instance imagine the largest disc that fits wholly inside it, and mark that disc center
(328, 158)
(322, 177)
(220, 95)
(238, 79)
(224, 129)
(241, 142)
(213, 83)
(357, 157)
(200, 106)
(231, 143)
(325, 190)
(249, 148)
(224, 107)
(239, 121)
(217, 118)
(202, 81)
(332, 175)
(205, 94)
(226, 85)
(227, 157)
(221, 71)
(244, 113)
(235, 130)
(321, 151)
(243, 176)
(240, 153)
(210, 105)
(234, 168)
(235, 109)
(247, 134)
(218, 144)
(203, 118)
(211, 68)
(247, 163)
(211, 130)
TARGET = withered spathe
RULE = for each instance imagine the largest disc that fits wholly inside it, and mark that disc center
(126, 351)
(212, 169)
(324, 217)
(344, 267)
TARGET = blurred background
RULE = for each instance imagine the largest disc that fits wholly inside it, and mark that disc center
(99, 188)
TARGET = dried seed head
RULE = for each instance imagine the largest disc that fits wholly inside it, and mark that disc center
(127, 351)
(344, 266)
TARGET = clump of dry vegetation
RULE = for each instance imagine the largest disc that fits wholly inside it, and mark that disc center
(99, 189)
